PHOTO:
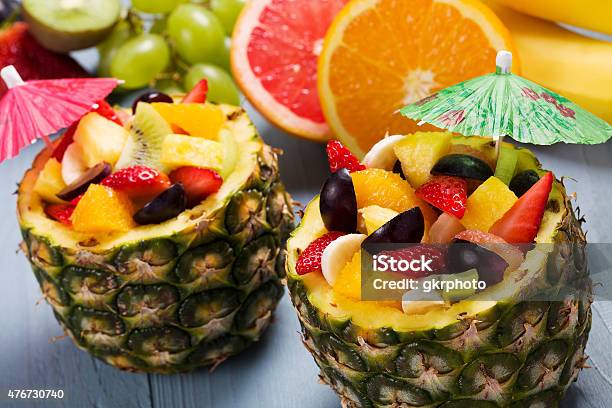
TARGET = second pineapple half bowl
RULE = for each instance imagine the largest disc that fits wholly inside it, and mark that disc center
(501, 351)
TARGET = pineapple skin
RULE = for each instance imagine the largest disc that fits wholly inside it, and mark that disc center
(528, 352)
(178, 302)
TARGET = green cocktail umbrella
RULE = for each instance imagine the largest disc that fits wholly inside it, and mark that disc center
(503, 104)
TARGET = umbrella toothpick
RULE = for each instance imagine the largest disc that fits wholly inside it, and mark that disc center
(498, 143)
(11, 77)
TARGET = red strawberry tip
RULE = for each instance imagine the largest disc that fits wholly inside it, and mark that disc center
(339, 156)
(198, 94)
(310, 258)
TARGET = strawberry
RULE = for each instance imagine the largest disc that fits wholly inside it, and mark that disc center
(449, 194)
(520, 224)
(60, 212)
(198, 93)
(198, 183)
(104, 109)
(75, 201)
(429, 252)
(138, 182)
(310, 258)
(19, 48)
(340, 157)
(63, 142)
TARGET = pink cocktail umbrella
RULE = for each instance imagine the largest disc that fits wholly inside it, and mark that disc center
(36, 109)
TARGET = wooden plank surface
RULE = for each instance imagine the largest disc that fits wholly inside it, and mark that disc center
(278, 371)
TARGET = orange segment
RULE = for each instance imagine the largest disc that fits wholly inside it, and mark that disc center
(103, 210)
(388, 190)
(197, 119)
(348, 285)
(380, 55)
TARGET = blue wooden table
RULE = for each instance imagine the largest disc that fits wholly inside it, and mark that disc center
(276, 372)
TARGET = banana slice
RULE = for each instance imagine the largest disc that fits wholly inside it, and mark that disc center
(419, 302)
(338, 254)
(73, 165)
(381, 155)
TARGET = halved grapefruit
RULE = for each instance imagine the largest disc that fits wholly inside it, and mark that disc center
(380, 55)
(275, 47)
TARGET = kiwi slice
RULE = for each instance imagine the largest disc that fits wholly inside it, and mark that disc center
(68, 25)
(147, 132)
(506, 164)
(462, 282)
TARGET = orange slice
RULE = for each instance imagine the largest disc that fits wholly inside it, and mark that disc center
(380, 55)
(275, 48)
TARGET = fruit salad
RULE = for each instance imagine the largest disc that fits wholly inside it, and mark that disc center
(168, 157)
(448, 199)
(156, 233)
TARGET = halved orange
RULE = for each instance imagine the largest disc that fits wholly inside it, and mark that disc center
(380, 55)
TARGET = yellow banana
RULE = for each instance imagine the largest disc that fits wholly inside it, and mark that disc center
(574, 66)
(593, 15)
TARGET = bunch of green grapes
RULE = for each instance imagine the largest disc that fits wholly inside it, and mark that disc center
(173, 44)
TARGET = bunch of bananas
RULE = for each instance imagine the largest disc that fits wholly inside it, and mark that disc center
(573, 65)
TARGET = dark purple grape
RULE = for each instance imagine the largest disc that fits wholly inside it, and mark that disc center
(397, 169)
(151, 97)
(523, 182)
(338, 203)
(465, 255)
(92, 176)
(165, 206)
(462, 165)
(405, 228)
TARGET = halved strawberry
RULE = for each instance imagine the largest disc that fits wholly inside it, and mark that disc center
(520, 224)
(19, 48)
(104, 109)
(449, 194)
(310, 258)
(138, 182)
(60, 212)
(198, 183)
(198, 93)
(340, 157)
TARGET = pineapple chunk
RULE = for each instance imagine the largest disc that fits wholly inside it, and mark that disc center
(375, 216)
(491, 200)
(103, 210)
(181, 151)
(419, 152)
(100, 139)
(197, 119)
(50, 182)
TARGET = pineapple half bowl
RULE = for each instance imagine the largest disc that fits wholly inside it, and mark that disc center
(188, 290)
(496, 348)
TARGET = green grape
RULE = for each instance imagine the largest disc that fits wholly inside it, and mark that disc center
(227, 11)
(107, 49)
(159, 26)
(221, 87)
(222, 59)
(140, 60)
(155, 6)
(169, 86)
(196, 32)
